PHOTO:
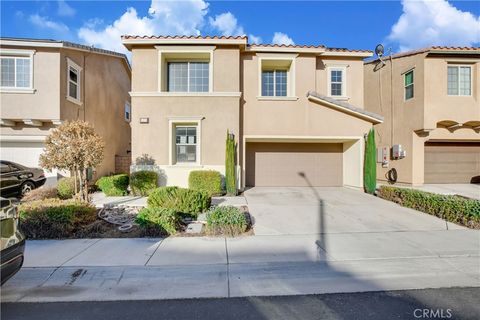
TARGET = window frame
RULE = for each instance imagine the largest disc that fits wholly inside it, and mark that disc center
(458, 66)
(405, 85)
(192, 121)
(280, 61)
(188, 62)
(343, 69)
(19, 54)
(186, 126)
(127, 109)
(72, 65)
(275, 82)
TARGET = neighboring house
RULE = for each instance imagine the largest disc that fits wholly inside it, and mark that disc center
(297, 112)
(46, 82)
(431, 105)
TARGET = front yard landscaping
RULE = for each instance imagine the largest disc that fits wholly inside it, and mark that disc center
(452, 208)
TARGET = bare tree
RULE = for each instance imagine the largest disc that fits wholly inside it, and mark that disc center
(73, 146)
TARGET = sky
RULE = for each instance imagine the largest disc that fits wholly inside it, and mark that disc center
(399, 25)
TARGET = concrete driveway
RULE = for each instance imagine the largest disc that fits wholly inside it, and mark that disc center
(468, 190)
(303, 211)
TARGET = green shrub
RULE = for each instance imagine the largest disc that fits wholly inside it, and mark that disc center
(230, 180)
(370, 165)
(179, 199)
(113, 185)
(41, 193)
(54, 218)
(142, 183)
(66, 188)
(226, 220)
(167, 220)
(209, 181)
(452, 208)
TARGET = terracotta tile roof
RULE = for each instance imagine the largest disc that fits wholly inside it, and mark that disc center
(434, 49)
(297, 46)
(347, 50)
(126, 37)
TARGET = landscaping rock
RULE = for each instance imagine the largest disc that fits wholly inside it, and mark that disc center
(195, 227)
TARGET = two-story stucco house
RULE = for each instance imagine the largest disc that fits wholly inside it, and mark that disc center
(297, 112)
(45, 82)
(430, 99)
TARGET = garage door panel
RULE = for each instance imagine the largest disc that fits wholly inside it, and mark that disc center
(24, 153)
(452, 162)
(280, 164)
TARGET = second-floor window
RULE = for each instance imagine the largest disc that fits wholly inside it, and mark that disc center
(336, 79)
(274, 83)
(16, 72)
(73, 81)
(188, 76)
(459, 80)
(408, 82)
(128, 112)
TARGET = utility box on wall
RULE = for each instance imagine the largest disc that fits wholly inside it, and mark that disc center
(382, 156)
(398, 152)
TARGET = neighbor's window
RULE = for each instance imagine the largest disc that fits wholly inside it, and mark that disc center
(188, 76)
(408, 85)
(337, 81)
(16, 72)
(186, 143)
(127, 112)
(459, 80)
(274, 83)
(73, 82)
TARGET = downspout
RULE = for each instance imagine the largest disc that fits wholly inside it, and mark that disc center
(392, 116)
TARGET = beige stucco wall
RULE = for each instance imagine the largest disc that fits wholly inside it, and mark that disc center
(44, 102)
(410, 123)
(105, 83)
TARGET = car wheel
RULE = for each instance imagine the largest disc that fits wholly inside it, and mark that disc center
(26, 188)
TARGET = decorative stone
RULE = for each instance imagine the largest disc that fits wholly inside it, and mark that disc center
(195, 227)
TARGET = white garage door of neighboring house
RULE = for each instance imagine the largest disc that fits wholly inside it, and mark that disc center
(26, 154)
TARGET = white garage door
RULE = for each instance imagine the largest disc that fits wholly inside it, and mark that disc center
(26, 154)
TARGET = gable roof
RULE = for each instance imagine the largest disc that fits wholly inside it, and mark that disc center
(344, 107)
(50, 43)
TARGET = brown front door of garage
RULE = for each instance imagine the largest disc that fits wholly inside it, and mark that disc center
(279, 164)
(447, 162)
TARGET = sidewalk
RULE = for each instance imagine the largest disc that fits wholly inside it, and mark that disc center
(175, 267)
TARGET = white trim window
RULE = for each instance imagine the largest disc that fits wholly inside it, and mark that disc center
(127, 112)
(186, 144)
(73, 81)
(409, 86)
(16, 69)
(459, 81)
(189, 76)
(274, 83)
(337, 81)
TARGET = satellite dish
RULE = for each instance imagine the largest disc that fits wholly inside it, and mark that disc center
(379, 50)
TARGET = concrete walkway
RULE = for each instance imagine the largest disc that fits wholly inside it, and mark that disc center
(130, 269)
(465, 190)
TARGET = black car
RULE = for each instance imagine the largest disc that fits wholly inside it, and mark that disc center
(17, 180)
(12, 241)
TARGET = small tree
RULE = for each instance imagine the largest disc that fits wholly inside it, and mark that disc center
(370, 166)
(230, 181)
(73, 146)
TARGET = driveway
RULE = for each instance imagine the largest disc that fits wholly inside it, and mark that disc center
(468, 190)
(303, 211)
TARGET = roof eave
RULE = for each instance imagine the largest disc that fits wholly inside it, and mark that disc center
(348, 54)
(129, 43)
(256, 48)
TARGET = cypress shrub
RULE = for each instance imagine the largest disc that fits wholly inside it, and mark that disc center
(230, 181)
(370, 166)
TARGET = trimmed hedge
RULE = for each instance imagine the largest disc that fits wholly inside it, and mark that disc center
(209, 181)
(181, 200)
(166, 220)
(54, 218)
(113, 185)
(142, 183)
(226, 220)
(66, 188)
(452, 208)
(41, 193)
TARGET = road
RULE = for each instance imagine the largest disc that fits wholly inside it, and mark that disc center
(446, 303)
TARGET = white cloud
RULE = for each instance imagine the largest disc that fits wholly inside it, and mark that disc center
(164, 18)
(64, 9)
(254, 39)
(44, 22)
(426, 23)
(282, 38)
(227, 24)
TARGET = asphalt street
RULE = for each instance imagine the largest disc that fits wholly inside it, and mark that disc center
(446, 303)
